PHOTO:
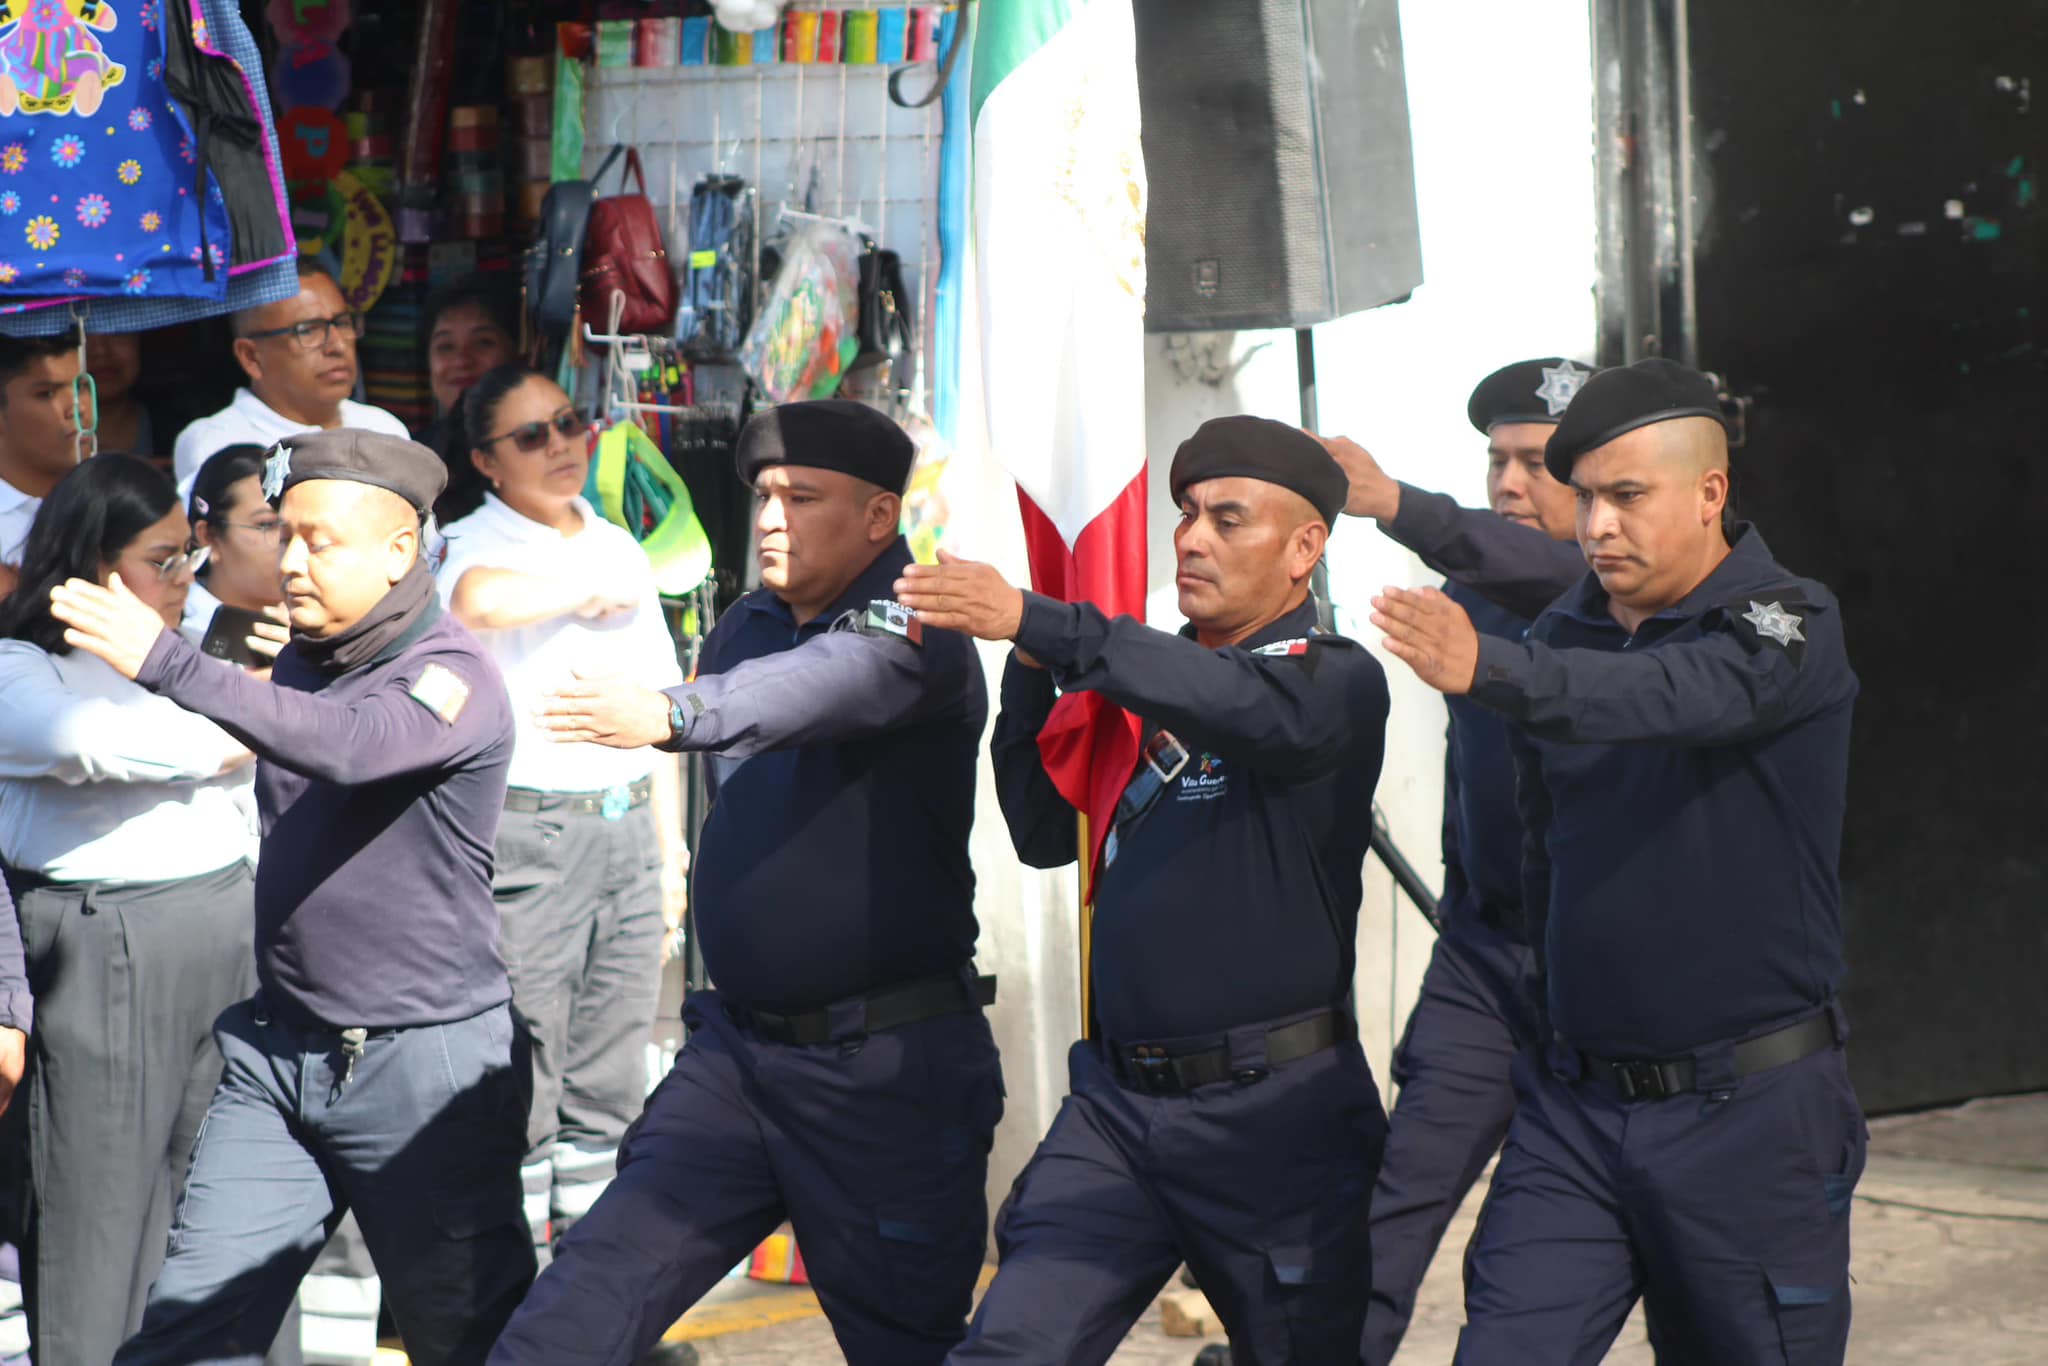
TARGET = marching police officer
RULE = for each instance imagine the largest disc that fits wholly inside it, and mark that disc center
(1689, 1134)
(376, 1068)
(843, 1074)
(1478, 1004)
(1225, 1115)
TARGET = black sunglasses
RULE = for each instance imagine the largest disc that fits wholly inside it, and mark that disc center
(529, 437)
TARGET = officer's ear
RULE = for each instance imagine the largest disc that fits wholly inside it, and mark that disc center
(884, 516)
(1713, 495)
(1305, 549)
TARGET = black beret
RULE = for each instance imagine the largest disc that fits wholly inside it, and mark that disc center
(406, 468)
(1617, 401)
(827, 434)
(1260, 448)
(1527, 391)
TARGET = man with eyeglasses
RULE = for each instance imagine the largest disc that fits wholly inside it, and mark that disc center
(300, 357)
(38, 431)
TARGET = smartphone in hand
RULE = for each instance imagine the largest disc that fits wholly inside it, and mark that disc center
(227, 637)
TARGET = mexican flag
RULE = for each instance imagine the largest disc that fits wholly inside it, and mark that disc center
(1059, 234)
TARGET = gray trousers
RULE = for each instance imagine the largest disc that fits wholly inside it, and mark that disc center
(128, 979)
(423, 1142)
(579, 903)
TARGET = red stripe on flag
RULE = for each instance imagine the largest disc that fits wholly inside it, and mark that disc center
(1089, 744)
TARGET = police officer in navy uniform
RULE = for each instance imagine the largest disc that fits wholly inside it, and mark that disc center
(1225, 1114)
(1478, 1004)
(842, 1075)
(1688, 1135)
(377, 1067)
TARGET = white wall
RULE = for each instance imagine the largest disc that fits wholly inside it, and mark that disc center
(1500, 92)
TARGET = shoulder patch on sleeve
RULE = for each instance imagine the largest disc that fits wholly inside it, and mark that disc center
(441, 691)
(892, 619)
(1771, 620)
(1297, 646)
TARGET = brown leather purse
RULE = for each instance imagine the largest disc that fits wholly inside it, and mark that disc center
(623, 255)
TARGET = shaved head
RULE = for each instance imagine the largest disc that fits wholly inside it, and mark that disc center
(1699, 444)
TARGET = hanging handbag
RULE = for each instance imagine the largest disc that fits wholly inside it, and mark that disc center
(886, 329)
(554, 263)
(623, 255)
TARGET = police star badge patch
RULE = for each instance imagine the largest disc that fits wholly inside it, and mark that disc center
(1560, 386)
(1773, 622)
(441, 691)
(276, 469)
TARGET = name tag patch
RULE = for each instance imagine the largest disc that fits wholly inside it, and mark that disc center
(441, 691)
(1203, 780)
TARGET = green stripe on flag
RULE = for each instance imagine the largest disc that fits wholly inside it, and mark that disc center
(1007, 32)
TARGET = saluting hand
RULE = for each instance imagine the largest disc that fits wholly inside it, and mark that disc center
(604, 709)
(1431, 634)
(109, 622)
(962, 595)
(1374, 493)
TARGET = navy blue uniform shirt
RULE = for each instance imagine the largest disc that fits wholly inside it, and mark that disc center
(379, 792)
(1482, 827)
(1526, 570)
(1235, 898)
(834, 859)
(1682, 789)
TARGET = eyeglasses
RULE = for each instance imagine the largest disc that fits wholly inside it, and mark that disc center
(529, 437)
(273, 531)
(312, 334)
(186, 561)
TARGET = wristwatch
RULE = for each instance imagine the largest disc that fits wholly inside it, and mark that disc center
(678, 722)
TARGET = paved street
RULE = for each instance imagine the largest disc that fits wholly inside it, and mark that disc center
(1951, 1261)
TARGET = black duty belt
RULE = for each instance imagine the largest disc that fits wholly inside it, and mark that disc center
(891, 1008)
(611, 803)
(1659, 1079)
(1154, 1070)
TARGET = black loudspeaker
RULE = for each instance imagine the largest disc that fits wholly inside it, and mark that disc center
(1280, 174)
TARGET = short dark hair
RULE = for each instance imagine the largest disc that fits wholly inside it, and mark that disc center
(87, 521)
(309, 267)
(18, 353)
(492, 296)
(475, 415)
(222, 470)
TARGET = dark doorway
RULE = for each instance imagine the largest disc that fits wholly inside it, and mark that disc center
(1863, 261)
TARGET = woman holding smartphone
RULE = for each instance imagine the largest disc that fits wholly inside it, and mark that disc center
(129, 861)
(590, 855)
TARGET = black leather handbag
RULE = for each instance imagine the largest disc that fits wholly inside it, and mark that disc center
(554, 263)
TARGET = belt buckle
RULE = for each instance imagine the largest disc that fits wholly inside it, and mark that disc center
(1640, 1079)
(1165, 746)
(616, 802)
(1149, 1071)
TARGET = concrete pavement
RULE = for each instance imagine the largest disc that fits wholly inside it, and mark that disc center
(1951, 1261)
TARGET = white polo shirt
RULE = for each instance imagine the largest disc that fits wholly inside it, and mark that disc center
(17, 515)
(599, 558)
(249, 420)
(101, 780)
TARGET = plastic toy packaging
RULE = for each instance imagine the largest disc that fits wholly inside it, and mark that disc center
(807, 330)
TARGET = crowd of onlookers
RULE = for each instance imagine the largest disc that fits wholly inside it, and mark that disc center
(127, 828)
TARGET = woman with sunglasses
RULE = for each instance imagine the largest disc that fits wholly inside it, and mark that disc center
(590, 854)
(129, 861)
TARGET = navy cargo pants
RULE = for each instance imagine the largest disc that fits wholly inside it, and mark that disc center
(1259, 1185)
(1726, 1210)
(1476, 1010)
(423, 1142)
(873, 1146)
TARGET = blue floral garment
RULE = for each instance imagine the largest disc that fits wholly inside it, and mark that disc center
(102, 194)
